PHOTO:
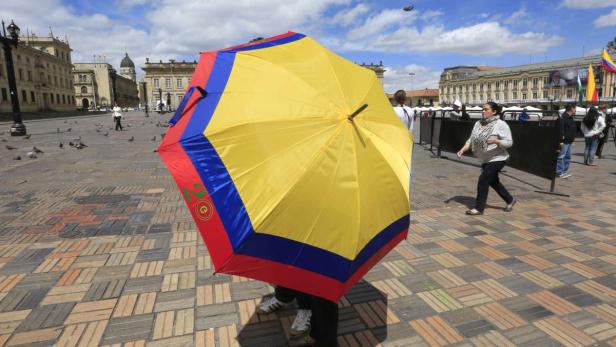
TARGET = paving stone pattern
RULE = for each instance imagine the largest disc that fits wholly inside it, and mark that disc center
(97, 248)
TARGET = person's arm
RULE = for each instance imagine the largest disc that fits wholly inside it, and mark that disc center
(601, 121)
(467, 145)
(504, 140)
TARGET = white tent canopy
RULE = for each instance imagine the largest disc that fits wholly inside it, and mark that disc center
(579, 111)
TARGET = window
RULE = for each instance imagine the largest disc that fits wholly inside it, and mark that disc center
(546, 81)
(29, 76)
(51, 98)
(535, 95)
(24, 96)
(27, 59)
(515, 96)
(21, 74)
(524, 82)
(497, 85)
(57, 98)
(55, 81)
(178, 83)
(32, 96)
(481, 87)
(19, 57)
(156, 84)
(180, 97)
(167, 83)
(497, 96)
(63, 99)
(523, 96)
(84, 90)
(1, 70)
(569, 93)
(515, 84)
(545, 94)
(474, 87)
(506, 84)
(535, 82)
(4, 95)
(49, 79)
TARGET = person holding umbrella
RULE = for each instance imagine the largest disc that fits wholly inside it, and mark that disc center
(489, 141)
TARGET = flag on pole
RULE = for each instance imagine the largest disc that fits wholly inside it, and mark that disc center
(607, 62)
(579, 88)
(591, 90)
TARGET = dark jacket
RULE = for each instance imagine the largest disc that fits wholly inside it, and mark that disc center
(567, 128)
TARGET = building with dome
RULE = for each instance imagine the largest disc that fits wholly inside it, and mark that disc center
(98, 85)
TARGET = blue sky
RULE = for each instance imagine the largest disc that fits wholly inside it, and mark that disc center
(436, 34)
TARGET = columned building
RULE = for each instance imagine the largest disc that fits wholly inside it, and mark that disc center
(543, 85)
(42, 73)
(98, 85)
(166, 82)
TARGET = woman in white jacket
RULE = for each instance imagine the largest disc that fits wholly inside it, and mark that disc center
(592, 127)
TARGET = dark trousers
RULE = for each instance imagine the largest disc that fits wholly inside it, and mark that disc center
(118, 123)
(324, 321)
(287, 295)
(601, 143)
(489, 178)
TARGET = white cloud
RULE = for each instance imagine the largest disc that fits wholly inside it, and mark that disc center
(606, 20)
(398, 78)
(517, 16)
(348, 17)
(381, 21)
(489, 38)
(429, 15)
(585, 4)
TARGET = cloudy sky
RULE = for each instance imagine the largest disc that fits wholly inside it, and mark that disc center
(435, 35)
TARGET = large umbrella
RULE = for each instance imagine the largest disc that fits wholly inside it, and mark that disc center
(293, 164)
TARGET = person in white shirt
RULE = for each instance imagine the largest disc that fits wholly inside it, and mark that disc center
(489, 141)
(117, 117)
(403, 112)
(592, 127)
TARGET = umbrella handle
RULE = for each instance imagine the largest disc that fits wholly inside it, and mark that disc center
(180, 110)
(361, 108)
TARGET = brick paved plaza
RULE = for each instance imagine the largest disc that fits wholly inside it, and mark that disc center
(97, 248)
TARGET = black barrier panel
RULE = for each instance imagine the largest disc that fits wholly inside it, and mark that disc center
(436, 131)
(425, 129)
(534, 144)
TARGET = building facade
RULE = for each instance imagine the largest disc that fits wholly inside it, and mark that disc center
(97, 85)
(378, 69)
(543, 85)
(42, 73)
(166, 82)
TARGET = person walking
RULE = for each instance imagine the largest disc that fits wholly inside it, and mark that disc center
(604, 137)
(489, 141)
(592, 127)
(117, 117)
(567, 136)
(402, 111)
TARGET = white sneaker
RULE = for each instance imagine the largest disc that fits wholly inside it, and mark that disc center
(301, 324)
(565, 175)
(270, 305)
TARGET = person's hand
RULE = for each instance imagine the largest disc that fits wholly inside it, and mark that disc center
(492, 140)
(460, 153)
(561, 145)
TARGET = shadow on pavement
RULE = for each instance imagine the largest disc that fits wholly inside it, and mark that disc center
(362, 321)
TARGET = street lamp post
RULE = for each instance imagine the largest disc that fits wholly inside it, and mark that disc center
(145, 98)
(168, 101)
(18, 128)
(412, 74)
(160, 100)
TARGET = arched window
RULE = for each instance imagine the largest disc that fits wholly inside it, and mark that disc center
(84, 90)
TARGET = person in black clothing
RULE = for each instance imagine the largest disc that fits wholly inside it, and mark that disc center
(567, 136)
(608, 122)
(465, 115)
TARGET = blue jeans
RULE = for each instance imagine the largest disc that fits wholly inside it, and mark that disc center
(564, 159)
(589, 151)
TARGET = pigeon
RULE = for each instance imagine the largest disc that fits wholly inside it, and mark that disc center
(27, 137)
(142, 123)
(98, 130)
(132, 138)
(10, 147)
(106, 134)
(128, 125)
(71, 144)
(3, 140)
(154, 138)
(36, 150)
(17, 158)
(69, 130)
(81, 144)
(61, 145)
(31, 155)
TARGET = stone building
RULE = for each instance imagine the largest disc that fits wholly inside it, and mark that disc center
(42, 73)
(166, 82)
(378, 69)
(98, 85)
(544, 85)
